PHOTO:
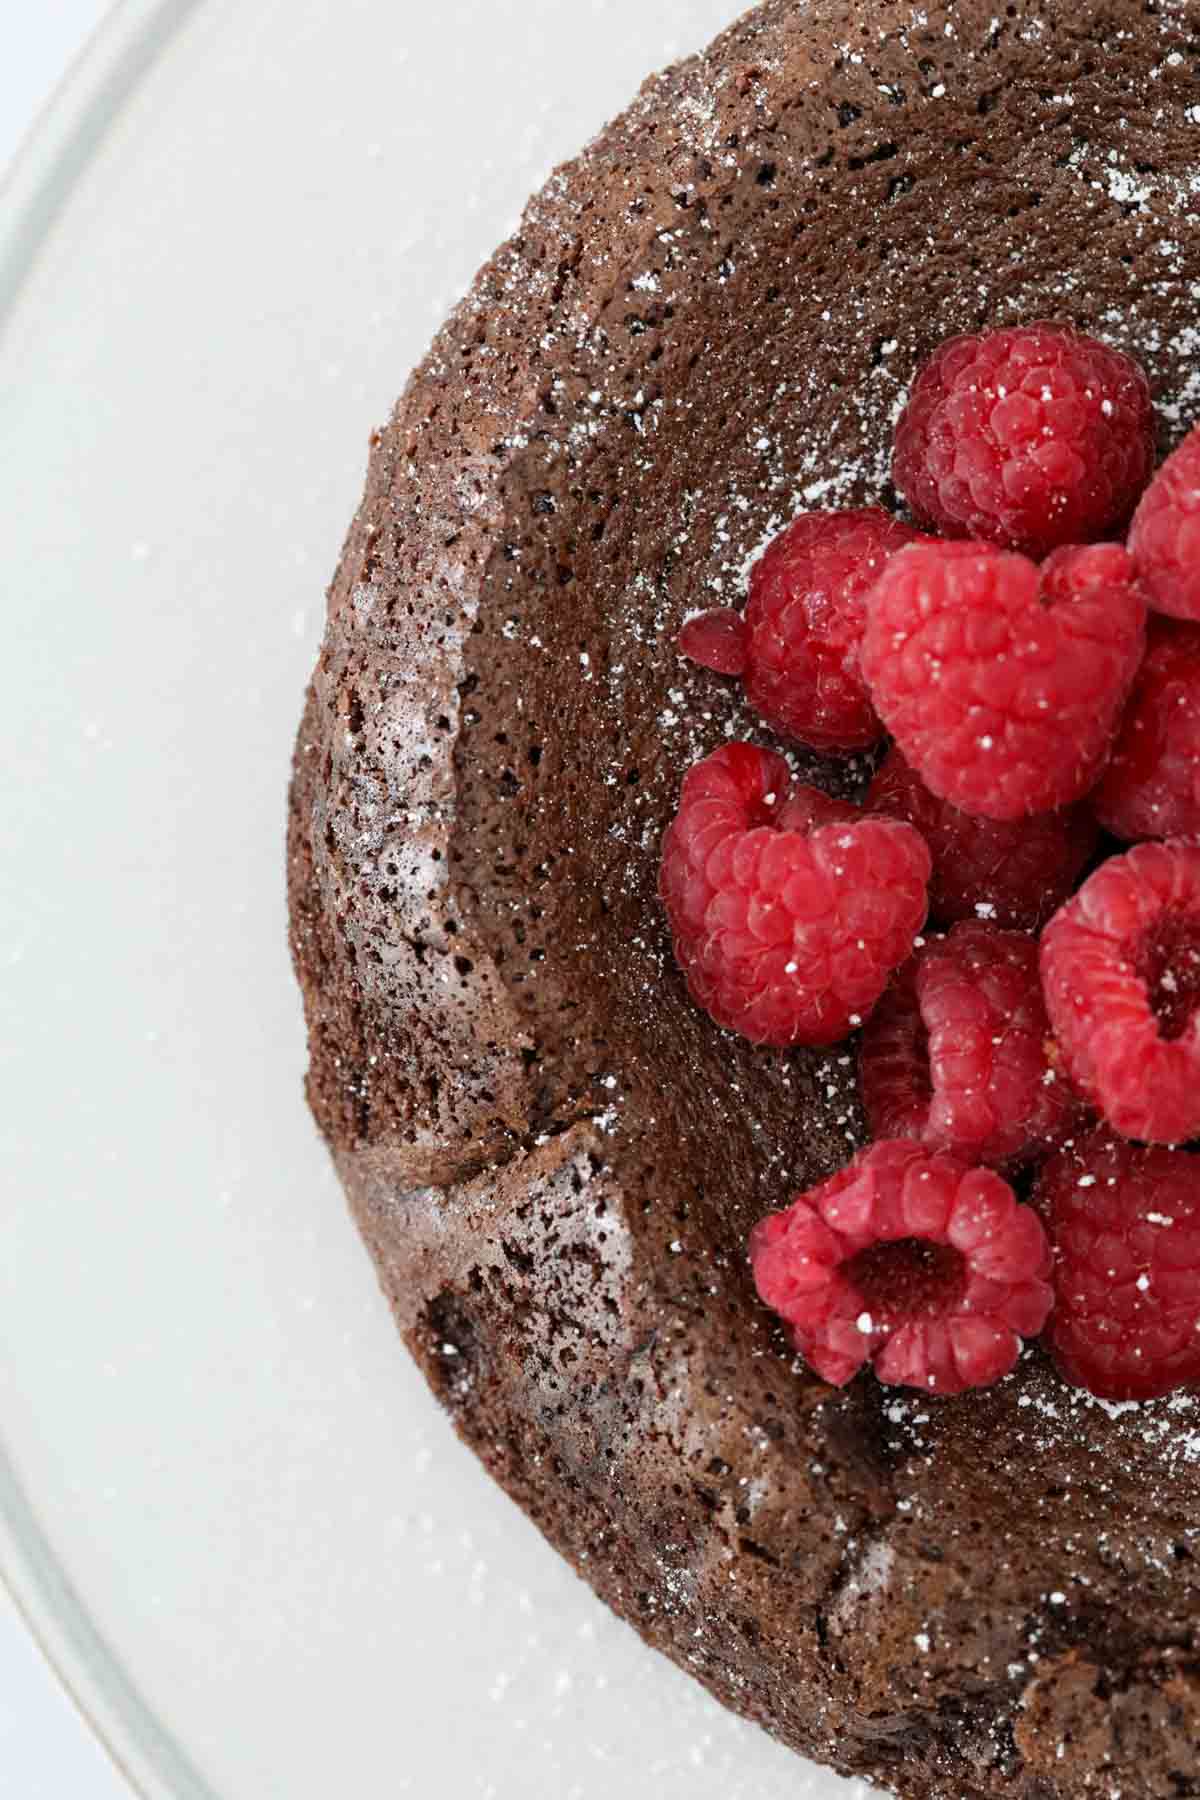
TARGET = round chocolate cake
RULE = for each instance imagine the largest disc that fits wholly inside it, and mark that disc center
(705, 324)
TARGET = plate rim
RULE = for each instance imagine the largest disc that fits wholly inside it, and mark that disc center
(69, 128)
(35, 191)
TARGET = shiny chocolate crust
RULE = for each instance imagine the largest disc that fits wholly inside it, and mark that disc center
(703, 324)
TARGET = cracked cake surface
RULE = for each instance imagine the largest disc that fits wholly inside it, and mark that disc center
(704, 324)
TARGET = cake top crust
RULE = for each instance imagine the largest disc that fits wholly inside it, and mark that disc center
(704, 324)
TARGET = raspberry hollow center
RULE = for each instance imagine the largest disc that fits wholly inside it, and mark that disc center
(764, 812)
(906, 1279)
(1169, 964)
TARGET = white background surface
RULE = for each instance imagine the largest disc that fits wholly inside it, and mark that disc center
(39, 41)
(46, 1752)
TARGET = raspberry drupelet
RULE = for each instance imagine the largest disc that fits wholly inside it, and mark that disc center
(717, 640)
(959, 1054)
(1124, 1226)
(1003, 682)
(1151, 787)
(1121, 975)
(911, 1261)
(1029, 437)
(1164, 538)
(788, 912)
(797, 645)
(1014, 872)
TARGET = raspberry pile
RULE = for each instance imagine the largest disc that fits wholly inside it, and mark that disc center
(1043, 1036)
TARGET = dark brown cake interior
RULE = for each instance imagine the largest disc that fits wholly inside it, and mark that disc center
(704, 325)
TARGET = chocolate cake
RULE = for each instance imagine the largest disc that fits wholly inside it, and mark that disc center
(704, 324)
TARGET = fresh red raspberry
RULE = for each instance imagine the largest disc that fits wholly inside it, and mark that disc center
(1164, 538)
(787, 936)
(1030, 437)
(958, 1053)
(1121, 975)
(806, 808)
(797, 645)
(911, 1261)
(1003, 683)
(1124, 1224)
(1013, 872)
(716, 640)
(1151, 787)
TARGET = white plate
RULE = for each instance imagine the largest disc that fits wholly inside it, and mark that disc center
(228, 1506)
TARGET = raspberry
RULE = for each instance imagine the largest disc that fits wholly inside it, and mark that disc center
(1003, 683)
(1121, 974)
(909, 1260)
(1029, 438)
(716, 640)
(1012, 871)
(798, 642)
(1124, 1224)
(1151, 787)
(787, 936)
(1164, 539)
(806, 808)
(958, 1053)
